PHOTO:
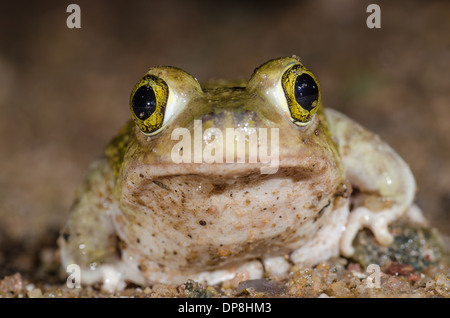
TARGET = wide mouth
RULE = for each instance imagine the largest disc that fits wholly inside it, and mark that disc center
(306, 165)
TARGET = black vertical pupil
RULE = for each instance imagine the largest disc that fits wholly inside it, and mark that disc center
(306, 91)
(144, 102)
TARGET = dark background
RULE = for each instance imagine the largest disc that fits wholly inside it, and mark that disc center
(64, 92)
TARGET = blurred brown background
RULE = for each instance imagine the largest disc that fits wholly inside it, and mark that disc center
(64, 92)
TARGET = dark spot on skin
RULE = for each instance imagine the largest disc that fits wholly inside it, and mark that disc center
(219, 188)
(141, 175)
(118, 246)
(121, 244)
(189, 235)
(318, 215)
(138, 240)
(175, 253)
(161, 185)
(66, 237)
(202, 223)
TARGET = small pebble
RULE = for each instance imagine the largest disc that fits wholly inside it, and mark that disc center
(11, 284)
(35, 293)
(400, 269)
(240, 277)
(354, 267)
(261, 285)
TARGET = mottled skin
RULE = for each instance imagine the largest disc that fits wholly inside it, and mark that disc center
(141, 217)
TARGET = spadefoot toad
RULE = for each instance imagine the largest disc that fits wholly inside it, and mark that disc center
(207, 182)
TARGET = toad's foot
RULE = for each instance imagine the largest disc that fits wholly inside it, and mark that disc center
(378, 222)
(114, 277)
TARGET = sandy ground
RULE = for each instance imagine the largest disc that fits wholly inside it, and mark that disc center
(64, 93)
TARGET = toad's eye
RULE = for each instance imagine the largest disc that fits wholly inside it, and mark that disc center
(302, 93)
(148, 103)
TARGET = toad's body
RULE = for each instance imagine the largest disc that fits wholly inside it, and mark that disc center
(143, 216)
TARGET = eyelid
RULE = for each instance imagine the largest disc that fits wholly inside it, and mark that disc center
(181, 88)
(266, 82)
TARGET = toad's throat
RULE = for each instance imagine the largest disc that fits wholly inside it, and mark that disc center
(236, 213)
(199, 221)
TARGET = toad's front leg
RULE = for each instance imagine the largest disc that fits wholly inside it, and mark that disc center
(89, 238)
(384, 183)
